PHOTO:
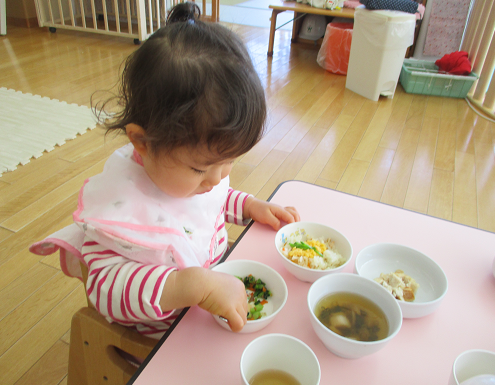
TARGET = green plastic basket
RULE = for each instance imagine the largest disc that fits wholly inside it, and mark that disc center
(422, 77)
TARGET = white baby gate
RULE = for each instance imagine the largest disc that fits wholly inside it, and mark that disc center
(136, 19)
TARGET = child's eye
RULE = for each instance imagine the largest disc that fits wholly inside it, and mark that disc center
(198, 171)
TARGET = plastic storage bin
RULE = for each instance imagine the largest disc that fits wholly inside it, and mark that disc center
(313, 27)
(422, 77)
(379, 43)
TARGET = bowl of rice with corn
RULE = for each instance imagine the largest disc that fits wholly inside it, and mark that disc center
(311, 250)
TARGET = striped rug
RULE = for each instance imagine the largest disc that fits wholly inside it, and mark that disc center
(31, 124)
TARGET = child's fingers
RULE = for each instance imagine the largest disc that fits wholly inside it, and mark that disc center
(294, 213)
(286, 214)
(272, 214)
(237, 320)
(273, 221)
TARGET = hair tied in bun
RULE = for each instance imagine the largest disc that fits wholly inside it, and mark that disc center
(184, 12)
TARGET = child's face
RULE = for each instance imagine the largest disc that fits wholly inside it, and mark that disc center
(189, 172)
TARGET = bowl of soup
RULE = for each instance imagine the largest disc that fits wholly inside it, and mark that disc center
(415, 280)
(266, 292)
(312, 250)
(279, 359)
(352, 315)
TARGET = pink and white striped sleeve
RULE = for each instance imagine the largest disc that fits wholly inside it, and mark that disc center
(123, 290)
(234, 207)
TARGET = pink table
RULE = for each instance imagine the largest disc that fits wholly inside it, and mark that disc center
(198, 351)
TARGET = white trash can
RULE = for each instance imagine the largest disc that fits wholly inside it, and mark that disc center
(379, 43)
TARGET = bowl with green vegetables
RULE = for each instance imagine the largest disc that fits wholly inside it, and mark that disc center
(266, 292)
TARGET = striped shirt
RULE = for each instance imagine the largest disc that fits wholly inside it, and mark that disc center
(129, 292)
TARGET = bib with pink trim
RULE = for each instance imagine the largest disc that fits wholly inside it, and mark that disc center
(123, 210)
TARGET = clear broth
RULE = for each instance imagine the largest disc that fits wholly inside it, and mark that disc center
(273, 377)
(352, 316)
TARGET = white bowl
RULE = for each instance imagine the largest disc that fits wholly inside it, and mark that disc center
(352, 283)
(388, 257)
(473, 367)
(274, 282)
(315, 230)
(280, 352)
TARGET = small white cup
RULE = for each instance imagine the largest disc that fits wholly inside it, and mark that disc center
(472, 363)
(280, 352)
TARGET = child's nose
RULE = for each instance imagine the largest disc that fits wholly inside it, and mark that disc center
(214, 177)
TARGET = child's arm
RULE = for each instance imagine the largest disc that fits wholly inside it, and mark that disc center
(121, 289)
(269, 213)
(241, 207)
(127, 291)
(217, 293)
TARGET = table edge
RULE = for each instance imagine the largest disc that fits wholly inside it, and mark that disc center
(297, 7)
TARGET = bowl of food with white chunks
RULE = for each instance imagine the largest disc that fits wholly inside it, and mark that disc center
(312, 250)
(417, 282)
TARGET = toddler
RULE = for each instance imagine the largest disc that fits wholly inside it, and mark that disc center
(149, 226)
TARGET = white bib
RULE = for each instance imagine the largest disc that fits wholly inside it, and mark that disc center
(123, 210)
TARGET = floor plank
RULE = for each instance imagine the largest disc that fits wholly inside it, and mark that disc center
(292, 138)
(318, 158)
(22, 288)
(353, 176)
(50, 369)
(395, 125)
(27, 215)
(40, 338)
(441, 194)
(418, 190)
(485, 174)
(336, 165)
(373, 135)
(261, 174)
(53, 220)
(376, 177)
(293, 163)
(38, 305)
(397, 184)
(465, 199)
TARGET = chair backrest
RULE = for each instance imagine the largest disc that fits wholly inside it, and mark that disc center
(94, 348)
(84, 271)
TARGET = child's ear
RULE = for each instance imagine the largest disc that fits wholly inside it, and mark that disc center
(136, 135)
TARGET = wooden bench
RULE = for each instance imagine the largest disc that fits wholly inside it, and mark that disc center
(300, 10)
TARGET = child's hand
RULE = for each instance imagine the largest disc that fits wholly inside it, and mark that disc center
(225, 295)
(269, 213)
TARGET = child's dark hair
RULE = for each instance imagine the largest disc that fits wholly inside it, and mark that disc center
(192, 83)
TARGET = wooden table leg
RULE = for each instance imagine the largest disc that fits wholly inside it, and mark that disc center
(272, 31)
(296, 26)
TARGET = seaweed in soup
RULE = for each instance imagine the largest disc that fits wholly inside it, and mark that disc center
(352, 316)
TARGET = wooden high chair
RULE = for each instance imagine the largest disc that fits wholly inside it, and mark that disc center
(93, 358)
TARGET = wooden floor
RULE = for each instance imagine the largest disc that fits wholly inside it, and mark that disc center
(427, 154)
